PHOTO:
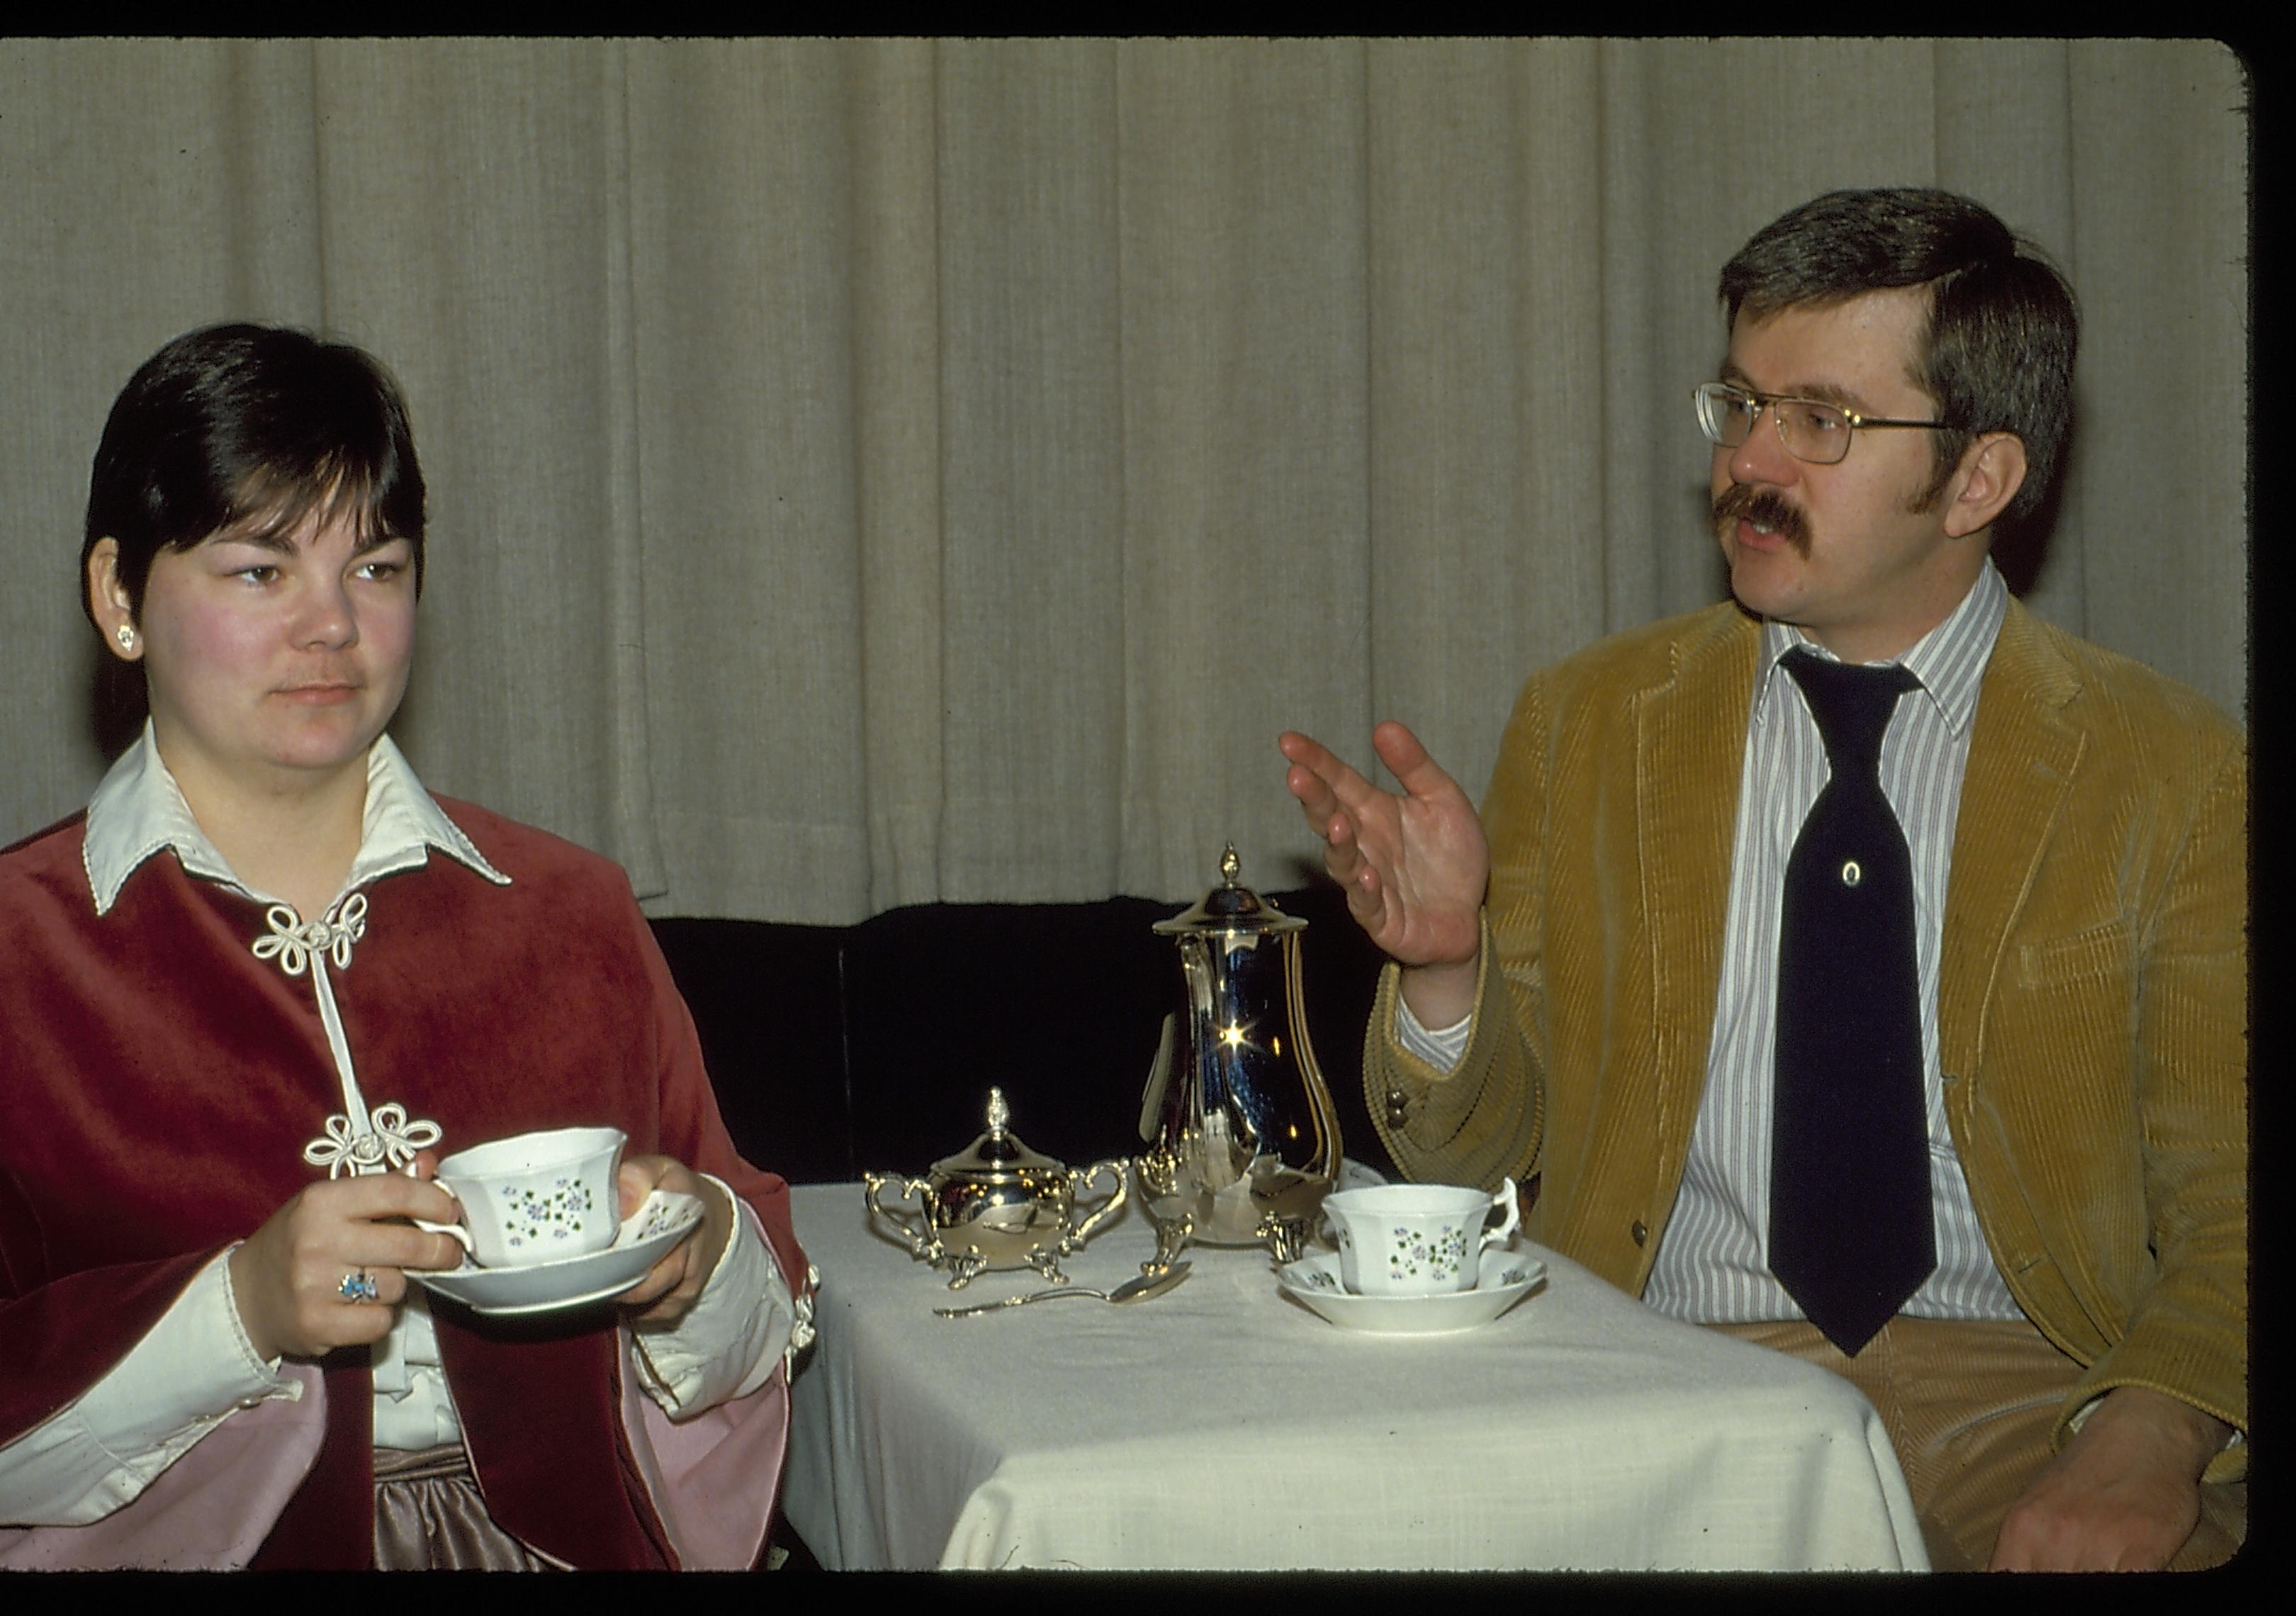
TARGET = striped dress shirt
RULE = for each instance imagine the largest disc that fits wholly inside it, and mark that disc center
(1711, 1265)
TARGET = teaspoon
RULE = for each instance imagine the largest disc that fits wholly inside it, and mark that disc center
(1140, 1287)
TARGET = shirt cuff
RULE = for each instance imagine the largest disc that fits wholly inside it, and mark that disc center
(189, 1374)
(1440, 1049)
(2238, 1438)
(730, 1342)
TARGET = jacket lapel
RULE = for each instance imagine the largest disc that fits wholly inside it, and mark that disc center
(2022, 758)
(1690, 745)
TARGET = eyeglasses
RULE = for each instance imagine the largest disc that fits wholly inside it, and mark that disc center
(1818, 433)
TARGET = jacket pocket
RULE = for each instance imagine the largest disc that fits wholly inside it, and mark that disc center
(2097, 954)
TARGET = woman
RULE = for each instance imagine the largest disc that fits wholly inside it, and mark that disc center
(240, 997)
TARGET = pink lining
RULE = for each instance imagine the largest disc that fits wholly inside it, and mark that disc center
(209, 1510)
(714, 1477)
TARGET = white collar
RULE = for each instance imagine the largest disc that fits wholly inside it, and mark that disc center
(139, 810)
(1949, 661)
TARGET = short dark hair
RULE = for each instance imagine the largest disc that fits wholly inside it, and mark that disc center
(252, 429)
(1997, 354)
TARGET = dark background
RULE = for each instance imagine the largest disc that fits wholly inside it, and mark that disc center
(837, 1051)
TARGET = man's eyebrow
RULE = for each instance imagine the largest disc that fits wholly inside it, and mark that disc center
(1822, 392)
(375, 541)
(1826, 392)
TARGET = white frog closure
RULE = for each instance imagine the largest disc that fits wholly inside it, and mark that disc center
(358, 1141)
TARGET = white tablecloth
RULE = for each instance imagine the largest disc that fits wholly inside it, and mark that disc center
(1223, 1426)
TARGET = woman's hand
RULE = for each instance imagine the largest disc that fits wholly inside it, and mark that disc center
(671, 1286)
(287, 1277)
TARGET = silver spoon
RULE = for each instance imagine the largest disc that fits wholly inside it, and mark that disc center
(1140, 1287)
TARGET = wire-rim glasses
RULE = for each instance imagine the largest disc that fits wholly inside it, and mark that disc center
(1812, 431)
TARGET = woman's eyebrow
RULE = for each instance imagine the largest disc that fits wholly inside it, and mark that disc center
(262, 540)
(280, 544)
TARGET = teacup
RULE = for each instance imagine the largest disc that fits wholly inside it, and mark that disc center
(1418, 1239)
(535, 1197)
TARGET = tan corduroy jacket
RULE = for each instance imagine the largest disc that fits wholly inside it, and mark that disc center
(2092, 996)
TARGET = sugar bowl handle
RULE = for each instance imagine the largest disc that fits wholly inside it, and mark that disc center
(925, 1246)
(1079, 1178)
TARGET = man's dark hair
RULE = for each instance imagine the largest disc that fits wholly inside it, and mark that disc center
(1997, 355)
(249, 429)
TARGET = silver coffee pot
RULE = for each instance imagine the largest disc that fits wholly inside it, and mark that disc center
(1243, 1144)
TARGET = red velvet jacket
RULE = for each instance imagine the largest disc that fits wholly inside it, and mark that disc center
(158, 1084)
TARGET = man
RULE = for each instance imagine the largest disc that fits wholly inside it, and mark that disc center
(1635, 988)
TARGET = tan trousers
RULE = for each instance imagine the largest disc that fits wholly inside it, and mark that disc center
(1968, 1405)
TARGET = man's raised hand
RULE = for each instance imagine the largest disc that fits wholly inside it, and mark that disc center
(1412, 865)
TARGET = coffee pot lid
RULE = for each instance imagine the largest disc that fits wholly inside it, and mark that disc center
(1230, 907)
(998, 1153)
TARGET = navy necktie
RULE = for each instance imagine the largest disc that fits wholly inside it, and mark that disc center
(1850, 1230)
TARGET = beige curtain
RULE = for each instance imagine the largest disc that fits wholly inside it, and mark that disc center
(868, 473)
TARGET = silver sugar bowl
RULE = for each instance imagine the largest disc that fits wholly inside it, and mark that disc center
(997, 1204)
(1243, 1143)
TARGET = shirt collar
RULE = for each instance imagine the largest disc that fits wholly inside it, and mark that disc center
(140, 809)
(1949, 661)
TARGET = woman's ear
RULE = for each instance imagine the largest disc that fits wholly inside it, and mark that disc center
(108, 601)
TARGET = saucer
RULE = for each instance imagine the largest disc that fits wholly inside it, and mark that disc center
(662, 1220)
(1506, 1278)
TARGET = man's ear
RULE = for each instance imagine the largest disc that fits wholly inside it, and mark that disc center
(1992, 470)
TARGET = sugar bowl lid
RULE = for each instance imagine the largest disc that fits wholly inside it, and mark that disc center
(997, 1156)
(1230, 907)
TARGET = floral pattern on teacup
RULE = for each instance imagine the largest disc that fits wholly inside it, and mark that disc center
(1439, 1258)
(666, 1215)
(529, 1215)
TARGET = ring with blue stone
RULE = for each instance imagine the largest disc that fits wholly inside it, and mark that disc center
(358, 1286)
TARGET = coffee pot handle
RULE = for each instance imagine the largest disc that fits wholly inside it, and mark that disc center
(1078, 1179)
(924, 1247)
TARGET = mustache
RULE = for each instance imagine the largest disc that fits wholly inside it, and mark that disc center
(1765, 508)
